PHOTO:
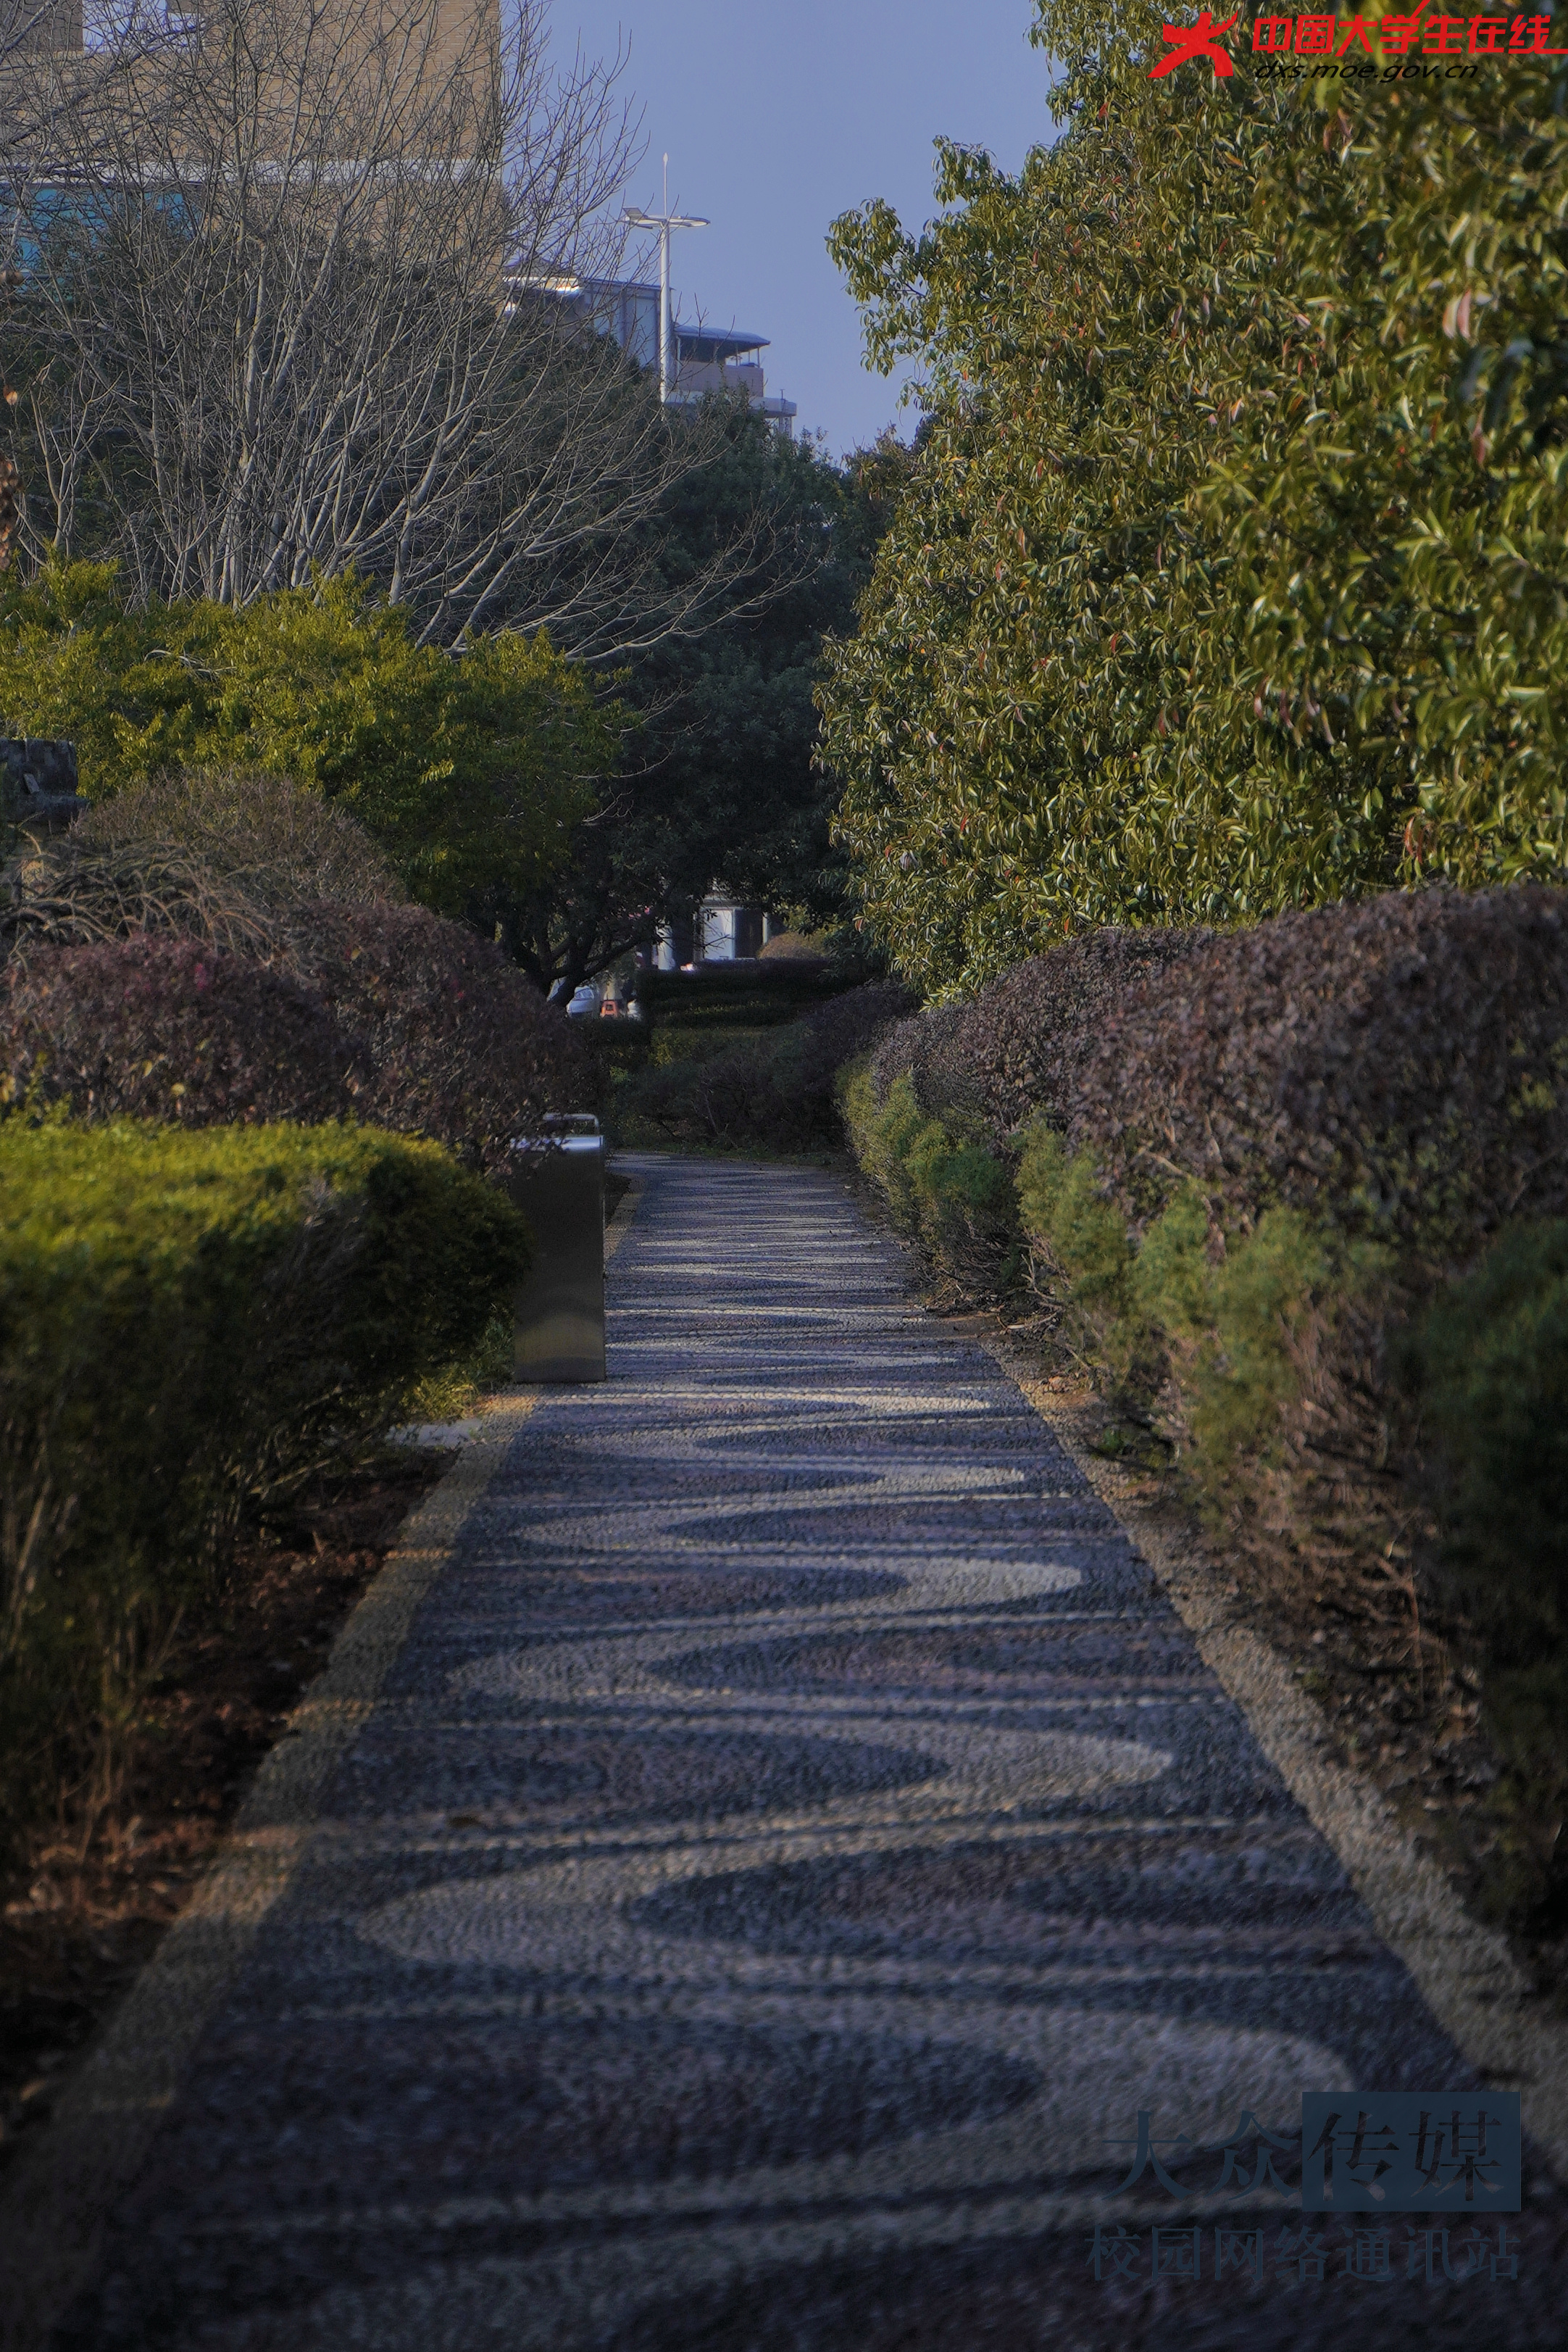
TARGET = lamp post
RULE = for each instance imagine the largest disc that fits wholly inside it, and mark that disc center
(665, 222)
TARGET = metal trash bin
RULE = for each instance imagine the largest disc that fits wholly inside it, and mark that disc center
(557, 1182)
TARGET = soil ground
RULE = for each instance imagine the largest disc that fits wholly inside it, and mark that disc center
(76, 1926)
(1401, 1700)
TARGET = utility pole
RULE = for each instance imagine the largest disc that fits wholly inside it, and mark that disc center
(665, 222)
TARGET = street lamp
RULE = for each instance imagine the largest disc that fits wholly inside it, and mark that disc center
(665, 222)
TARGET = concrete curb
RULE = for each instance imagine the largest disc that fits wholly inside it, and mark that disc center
(89, 2153)
(53, 2209)
(615, 1231)
(1467, 1974)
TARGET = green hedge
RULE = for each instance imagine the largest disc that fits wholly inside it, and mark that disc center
(1324, 1392)
(188, 1323)
(945, 1185)
(717, 999)
(1489, 1365)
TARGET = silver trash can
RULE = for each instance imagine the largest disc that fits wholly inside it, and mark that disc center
(557, 1181)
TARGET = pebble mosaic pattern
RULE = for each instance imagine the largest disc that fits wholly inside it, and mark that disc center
(796, 1836)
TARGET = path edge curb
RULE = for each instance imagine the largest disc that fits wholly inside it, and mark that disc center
(1466, 1975)
(53, 2209)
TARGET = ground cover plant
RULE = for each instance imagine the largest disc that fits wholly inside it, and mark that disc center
(1295, 1194)
(190, 1323)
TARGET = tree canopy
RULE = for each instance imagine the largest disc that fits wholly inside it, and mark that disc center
(717, 782)
(469, 771)
(1231, 573)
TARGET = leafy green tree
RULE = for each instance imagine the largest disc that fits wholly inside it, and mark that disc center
(1230, 576)
(1408, 531)
(470, 772)
(718, 782)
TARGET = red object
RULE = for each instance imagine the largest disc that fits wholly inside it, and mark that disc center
(1443, 36)
(1194, 41)
(1537, 27)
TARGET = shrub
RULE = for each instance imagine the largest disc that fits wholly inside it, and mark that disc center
(1015, 1051)
(945, 1186)
(187, 1323)
(1490, 1366)
(793, 947)
(217, 855)
(168, 1029)
(1491, 1362)
(1245, 1181)
(408, 1020)
(282, 841)
(81, 894)
(471, 774)
(721, 996)
(1399, 1066)
(775, 1090)
(881, 1133)
(449, 1039)
(1064, 1208)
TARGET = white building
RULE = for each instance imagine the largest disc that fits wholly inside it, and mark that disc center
(710, 360)
(722, 931)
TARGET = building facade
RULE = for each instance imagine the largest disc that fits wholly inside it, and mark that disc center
(706, 359)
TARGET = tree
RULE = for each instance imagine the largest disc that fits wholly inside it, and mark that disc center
(717, 783)
(287, 313)
(471, 772)
(1228, 576)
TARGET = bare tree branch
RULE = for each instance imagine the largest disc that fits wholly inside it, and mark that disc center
(287, 289)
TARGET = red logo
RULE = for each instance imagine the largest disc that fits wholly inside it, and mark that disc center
(1191, 41)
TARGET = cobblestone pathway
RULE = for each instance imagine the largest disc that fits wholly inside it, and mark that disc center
(795, 1836)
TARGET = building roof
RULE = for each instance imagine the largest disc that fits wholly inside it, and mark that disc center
(717, 342)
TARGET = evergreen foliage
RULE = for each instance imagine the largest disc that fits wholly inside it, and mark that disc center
(717, 782)
(1296, 1198)
(1231, 577)
(468, 771)
(188, 1324)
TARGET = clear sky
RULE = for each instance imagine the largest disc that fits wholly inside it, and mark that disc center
(776, 118)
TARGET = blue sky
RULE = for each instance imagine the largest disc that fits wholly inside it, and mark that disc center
(778, 118)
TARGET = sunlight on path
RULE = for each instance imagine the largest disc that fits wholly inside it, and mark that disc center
(795, 1841)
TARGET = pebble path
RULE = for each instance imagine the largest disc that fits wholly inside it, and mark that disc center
(795, 1842)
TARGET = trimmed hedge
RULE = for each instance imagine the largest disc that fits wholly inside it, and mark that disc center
(1296, 1195)
(1015, 1052)
(386, 1012)
(776, 1090)
(1400, 1066)
(1489, 1363)
(745, 995)
(189, 1323)
(168, 1029)
(945, 1187)
(449, 1038)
